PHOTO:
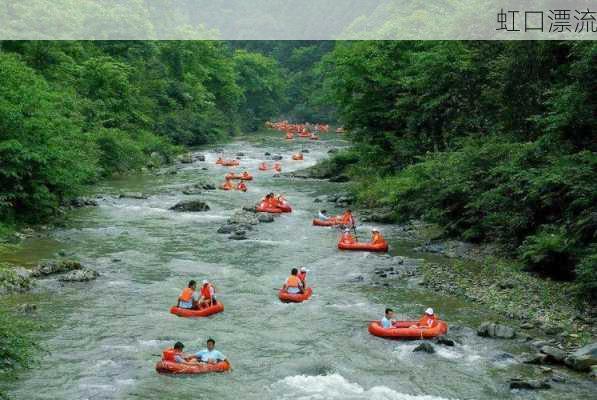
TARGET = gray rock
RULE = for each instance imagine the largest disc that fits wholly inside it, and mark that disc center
(199, 157)
(190, 206)
(340, 178)
(209, 186)
(249, 209)
(277, 157)
(14, 280)
(593, 373)
(528, 384)
(446, 341)
(266, 218)
(133, 195)
(79, 202)
(583, 359)
(344, 200)
(241, 217)
(425, 347)
(358, 278)
(238, 235)
(493, 330)
(554, 355)
(226, 229)
(319, 199)
(305, 151)
(80, 275)
(240, 154)
(332, 151)
(535, 359)
(267, 153)
(55, 267)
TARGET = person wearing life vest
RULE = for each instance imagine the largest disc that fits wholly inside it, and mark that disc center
(388, 320)
(302, 275)
(209, 355)
(246, 175)
(220, 160)
(189, 297)
(427, 320)
(175, 354)
(376, 237)
(208, 294)
(347, 237)
(293, 284)
(347, 219)
(277, 167)
(241, 186)
(323, 215)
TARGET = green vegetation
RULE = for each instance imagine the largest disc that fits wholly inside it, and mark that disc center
(74, 112)
(493, 141)
(16, 345)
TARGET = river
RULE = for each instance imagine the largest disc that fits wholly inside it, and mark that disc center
(103, 337)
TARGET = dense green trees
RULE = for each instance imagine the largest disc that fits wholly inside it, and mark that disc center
(494, 141)
(71, 112)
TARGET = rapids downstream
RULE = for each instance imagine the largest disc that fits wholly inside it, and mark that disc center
(105, 336)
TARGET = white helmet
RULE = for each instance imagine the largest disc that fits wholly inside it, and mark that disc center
(205, 282)
(429, 311)
(303, 269)
(374, 229)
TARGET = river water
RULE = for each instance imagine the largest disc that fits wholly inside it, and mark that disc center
(103, 338)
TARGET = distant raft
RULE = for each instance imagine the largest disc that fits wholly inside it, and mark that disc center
(403, 330)
(202, 312)
(171, 367)
(326, 222)
(356, 246)
(286, 297)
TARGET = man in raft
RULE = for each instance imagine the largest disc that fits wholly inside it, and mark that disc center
(347, 237)
(189, 297)
(175, 354)
(347, 219)
(427, 320)
(246, 175)
(293, 284)
(302, 275)
(388, 320)
(208, 294)
(209, 355)
(323, 215)
(241, 186)
(376, 237)
(227, 185)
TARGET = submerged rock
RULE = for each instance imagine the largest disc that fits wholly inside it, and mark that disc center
(80, 275)
(528, 384)
(493, 330)
(190, 206)
(242, 217)
(238, 235)
(226, 229)
(55, 267)
(266, 218)
(446, 341)
(133, 195)
(425, 347)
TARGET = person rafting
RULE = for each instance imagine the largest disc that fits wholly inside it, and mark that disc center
(189, 297)
(427, 320)
(209, 355)
(227, 185)
(293, 284)
(220, 160)
(302, 275)
(246, 175)
(376, 237)
(208, 294)
(347, 237)
(175, 354)
(347, 219)
(388, 320)
(241, 186)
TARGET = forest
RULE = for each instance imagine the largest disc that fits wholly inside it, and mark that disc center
(493, 141)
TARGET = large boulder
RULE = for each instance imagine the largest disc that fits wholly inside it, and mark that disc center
(493, 330)
(55, 267)
(242, 217)
(80, 275)
(583, 358)
(425, 347)
(553, 354)
(190, 206)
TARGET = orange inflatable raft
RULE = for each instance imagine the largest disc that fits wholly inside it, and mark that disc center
(297, 157)
(356, 246)
(264, 207)
(202, 312)
(242, 177)
(263, 167)
(327, 222)
(225, 186)
(286, 297)
(230, 163)
(403, 330)
(170, 367)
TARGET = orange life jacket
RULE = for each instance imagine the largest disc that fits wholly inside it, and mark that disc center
(347, 219)
(427, 321)
(206, 292)
(169, 355)
(347, 238)
(377, 238)
(187, 294)
(292, 281)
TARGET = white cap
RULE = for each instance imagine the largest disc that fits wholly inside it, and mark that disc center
(429, 311)
(303, 269)
(205, 282)
(374, 230)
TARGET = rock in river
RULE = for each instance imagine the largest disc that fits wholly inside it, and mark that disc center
(190, 205)
(241, 217)
(583, 359)
(238, 235)
(133, 195)
(553, 354)
(493, 330)
(528, 384)
(80, 275)
(55, 267)
(425, 347)
(265, 218)
(226, 229)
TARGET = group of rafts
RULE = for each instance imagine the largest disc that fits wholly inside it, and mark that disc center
(194, 303)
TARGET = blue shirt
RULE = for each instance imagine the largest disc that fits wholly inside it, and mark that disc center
(206, 355)
(189, 304)
(386, 323)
